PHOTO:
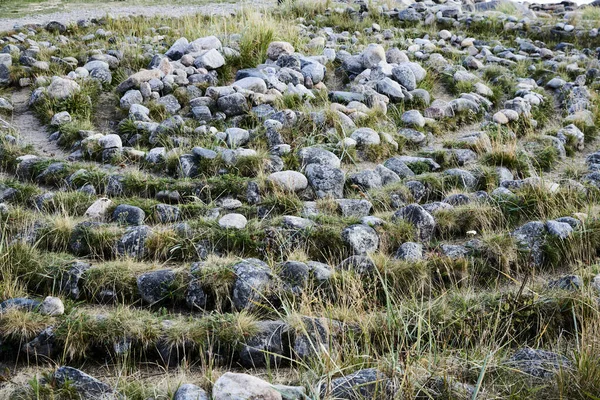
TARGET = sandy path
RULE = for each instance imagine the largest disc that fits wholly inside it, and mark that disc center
(31, 131)
(97, 10)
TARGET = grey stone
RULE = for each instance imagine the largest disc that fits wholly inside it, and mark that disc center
(538, 363)
(354, 207)
(188, 391)
(233, 386)
(155, 286)
(86, 386)
(133, 242)
(252, 279)
(364, 384)
(130, 215)
(410, 251)
(361, 239)
(405, 76)
(325, 180)
(416, 215)
(567, 282)
(269, 346)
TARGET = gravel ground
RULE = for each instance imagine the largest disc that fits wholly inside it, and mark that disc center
(83, 11)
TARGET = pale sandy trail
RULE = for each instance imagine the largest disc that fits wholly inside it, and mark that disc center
(82, 11)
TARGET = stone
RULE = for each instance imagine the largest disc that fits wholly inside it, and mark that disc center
(326, 181)
(567, 282)
(233, 221)
(365, 179)
(236, 137)
(52, 306)
(276, 49)
(372, 55)
(209, 59)
(538, 363)
(188, 391)
(410, 251)
(61, 89)
(178, 49)
(268, 347)
(361, 239)
(354, 207)
(251, 83)
(561, 230)
(252, 279)
(363, 384)
(416, 215)
(99, 209)
(133, 242)
(413, 118)
(295, 274)
(392, 89)
(290, 181)
(404, 75)
(155, 286)
(399, 167)
(86, 386)
(233, 104)
(170, 103)
(60, 118)
(129, 215)
(318, 155)
(131, 97)
(366, 137)
(234, 386)
(165, 213)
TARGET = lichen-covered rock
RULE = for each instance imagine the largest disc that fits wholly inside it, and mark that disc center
(423, 221)
(233, 386)
(86, 386)
(270, 346)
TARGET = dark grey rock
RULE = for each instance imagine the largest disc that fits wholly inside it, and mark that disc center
(129, 215)
(538, 363)
(86, 386)
(156, 286)
(325, 180)
(133, 242)
(361, 239)
(423, 221)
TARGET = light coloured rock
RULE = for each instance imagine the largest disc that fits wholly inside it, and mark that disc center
(232, 386)
(99, 209)
(61, 88)
(233, 221)
(291, 181)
